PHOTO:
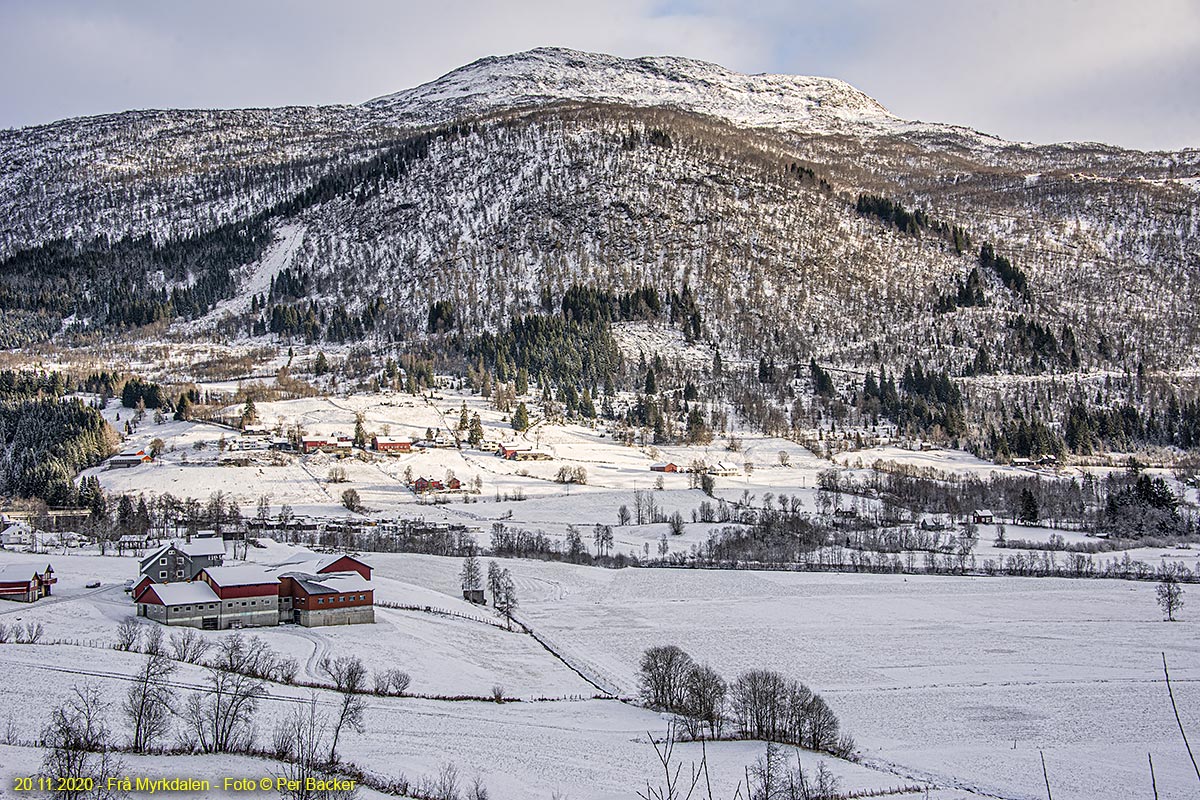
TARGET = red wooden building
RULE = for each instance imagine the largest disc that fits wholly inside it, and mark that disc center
(391, 444)
(25, 582)
(329, 590)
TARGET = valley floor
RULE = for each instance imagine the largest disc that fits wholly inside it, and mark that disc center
(954, 683)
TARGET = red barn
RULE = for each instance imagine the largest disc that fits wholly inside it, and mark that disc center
(667, 466)
(391, 444)
(422, 485)
(25, 582)
(513, 451)
(311, 444)
(325, 590)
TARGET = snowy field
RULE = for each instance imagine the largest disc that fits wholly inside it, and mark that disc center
(568, 747)
(961, 681)
(958, 682)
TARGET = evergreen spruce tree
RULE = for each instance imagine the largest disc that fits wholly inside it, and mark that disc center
(475, 432)
(520, 420)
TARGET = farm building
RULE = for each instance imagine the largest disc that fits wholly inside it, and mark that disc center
(664, 466)
(983, 517)
(182, 560)
(722, 468)
(335, 445)
(511, 450)
(325, 590)
(309, 590)
(17, 534)
(25, 582)
(219, 598)
(193, 604)
(391, 444)
(129, 458)
(424, 485)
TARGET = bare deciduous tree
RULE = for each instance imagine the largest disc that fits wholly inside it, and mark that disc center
(129, 633)
(300, 741)
(1170, 596)
(661, 676)
(349, 677)
(188, 645)
(392, 681)
(147, 704)
(220, 717)
(79, 745)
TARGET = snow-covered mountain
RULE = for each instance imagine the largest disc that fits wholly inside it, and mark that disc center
(549, 74)
(519, 175)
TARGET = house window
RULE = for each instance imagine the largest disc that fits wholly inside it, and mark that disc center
(162, 573)
(162, 561)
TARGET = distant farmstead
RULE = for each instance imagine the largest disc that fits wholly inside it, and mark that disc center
(25, 582)
(129, 458)
(426, 485)
(665, 466)
(983, 517)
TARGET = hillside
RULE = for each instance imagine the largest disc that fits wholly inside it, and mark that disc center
(778, 218)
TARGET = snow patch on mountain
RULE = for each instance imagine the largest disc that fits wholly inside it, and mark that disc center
(551, 74)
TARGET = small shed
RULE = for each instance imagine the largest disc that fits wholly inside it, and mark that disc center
(474, 596)
(983, 517)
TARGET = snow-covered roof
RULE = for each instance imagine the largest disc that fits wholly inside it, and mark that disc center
(332, 583)
(312, 562)
(178, 594)
(393, 440)
(243, 575)
(21, 573)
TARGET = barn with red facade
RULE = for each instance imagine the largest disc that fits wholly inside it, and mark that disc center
(25, 582)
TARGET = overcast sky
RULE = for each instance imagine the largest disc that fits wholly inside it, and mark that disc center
(1034, 70)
